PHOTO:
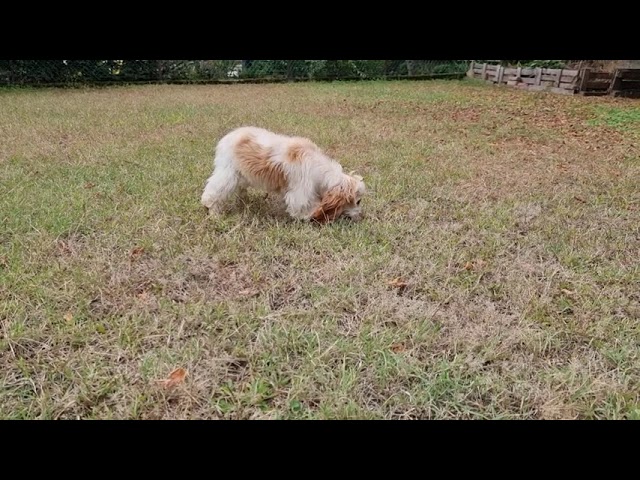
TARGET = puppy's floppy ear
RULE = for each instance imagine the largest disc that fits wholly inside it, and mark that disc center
(354, 175)
(331, 206)
(333, 203)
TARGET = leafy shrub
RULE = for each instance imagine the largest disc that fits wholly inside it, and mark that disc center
(369, 68)
(453, 67)
(544, 64)
(527, 63)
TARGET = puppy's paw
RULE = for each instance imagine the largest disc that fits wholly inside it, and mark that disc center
(214, 211)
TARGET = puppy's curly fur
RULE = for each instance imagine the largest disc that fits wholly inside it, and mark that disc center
(313, 186)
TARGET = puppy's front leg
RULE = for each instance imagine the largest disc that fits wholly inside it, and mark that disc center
(298, 204)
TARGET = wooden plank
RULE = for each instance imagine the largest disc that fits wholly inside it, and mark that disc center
(615, 82)
(538, 76)
(484, 71)
(500, 74)
(470, 71)
(569, 79)
(559, 77)
(519, 73)
(554, 78)
(528, 72)
(628, 85)
(569, 85)
(629, 73)
(585, 74)
(629, 81)
(600, 80)
(601, 75)
(590, 85)
(556, 71)
(563, 71)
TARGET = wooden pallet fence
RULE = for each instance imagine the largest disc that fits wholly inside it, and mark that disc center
(555, 80)
(625, 83)
(594, 82)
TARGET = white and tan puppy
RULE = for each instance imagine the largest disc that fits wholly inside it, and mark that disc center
(313, 186)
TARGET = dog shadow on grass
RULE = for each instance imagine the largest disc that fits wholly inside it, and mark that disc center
(262, 210)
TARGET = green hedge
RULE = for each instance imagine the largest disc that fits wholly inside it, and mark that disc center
(28, 72)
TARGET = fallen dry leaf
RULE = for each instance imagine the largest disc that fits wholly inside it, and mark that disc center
(567, 292)
(397, 283)
(136, 252)
(143, 295)
(89, 185)
(475, 265)
(64, 247)
(175, 378)
(581, 200)
(68, 317)
(398, 347)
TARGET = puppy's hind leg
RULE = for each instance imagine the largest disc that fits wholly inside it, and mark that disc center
(241, 194)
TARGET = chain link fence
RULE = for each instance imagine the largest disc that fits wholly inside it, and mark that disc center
(78, 72)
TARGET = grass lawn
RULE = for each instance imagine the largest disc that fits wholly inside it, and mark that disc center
(496, 275)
